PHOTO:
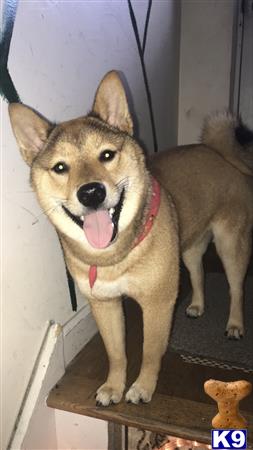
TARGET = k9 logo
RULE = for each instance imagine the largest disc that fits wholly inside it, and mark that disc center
(226, 439)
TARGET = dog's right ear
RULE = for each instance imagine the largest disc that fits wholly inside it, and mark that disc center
(30, 129)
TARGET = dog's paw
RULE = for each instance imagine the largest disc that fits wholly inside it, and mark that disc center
(234, 332)
(137, 394)
(194, 311)
(107, 395)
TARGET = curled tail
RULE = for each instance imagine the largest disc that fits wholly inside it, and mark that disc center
(229, 137)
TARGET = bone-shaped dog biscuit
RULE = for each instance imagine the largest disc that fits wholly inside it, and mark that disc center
(228, 396)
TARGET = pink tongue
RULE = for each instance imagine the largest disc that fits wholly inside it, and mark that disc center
(98, 228)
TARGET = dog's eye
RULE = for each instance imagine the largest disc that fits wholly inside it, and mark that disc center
(60, 167)
(106, 155)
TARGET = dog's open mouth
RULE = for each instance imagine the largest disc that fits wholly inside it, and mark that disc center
(100, 226)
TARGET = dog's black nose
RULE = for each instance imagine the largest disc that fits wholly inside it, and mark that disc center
(91, 194)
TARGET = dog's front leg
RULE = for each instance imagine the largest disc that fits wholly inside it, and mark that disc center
(111, 324)
(157, 318)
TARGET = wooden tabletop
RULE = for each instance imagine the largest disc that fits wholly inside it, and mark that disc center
(179, 406)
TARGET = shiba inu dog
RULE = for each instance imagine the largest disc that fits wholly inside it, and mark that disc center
(212, 187)
(117, 225)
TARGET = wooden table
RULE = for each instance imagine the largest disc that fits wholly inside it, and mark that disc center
(179, 406)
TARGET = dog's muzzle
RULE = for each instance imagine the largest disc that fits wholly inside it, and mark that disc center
(100, 225)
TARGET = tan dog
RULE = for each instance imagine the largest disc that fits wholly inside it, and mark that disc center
(212, 187)
(90, 177)
(117, 227)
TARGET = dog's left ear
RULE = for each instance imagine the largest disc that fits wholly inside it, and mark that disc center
(111, 103)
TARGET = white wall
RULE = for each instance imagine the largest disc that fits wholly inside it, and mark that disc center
(59, 52)
(79, 432)
(205, 63)
(40, 427)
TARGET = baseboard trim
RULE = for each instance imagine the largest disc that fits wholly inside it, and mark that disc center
(60, 344)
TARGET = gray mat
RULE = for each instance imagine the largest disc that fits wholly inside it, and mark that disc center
(204, 336)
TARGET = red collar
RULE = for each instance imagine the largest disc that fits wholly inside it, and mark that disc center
(153, 211)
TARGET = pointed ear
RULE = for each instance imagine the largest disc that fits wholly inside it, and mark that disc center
(30, 129)
(111, 104)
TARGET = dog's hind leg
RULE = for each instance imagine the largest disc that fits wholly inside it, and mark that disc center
(192, 258)
(233, 244)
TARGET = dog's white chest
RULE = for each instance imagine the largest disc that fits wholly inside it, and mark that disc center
(103, 288)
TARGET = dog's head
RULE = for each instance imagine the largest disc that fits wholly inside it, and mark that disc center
(89, 174)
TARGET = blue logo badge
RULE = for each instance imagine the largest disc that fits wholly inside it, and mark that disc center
(226, 439)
